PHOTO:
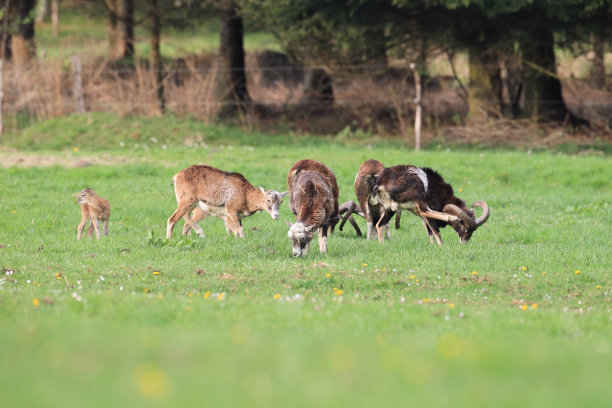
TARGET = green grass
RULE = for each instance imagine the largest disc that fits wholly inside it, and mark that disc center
(85, 34)
(91, 323)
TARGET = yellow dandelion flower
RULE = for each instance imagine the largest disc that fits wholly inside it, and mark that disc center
(460, 190)
(147, 290)
(364, 265)
(339, 292)
(187, 308)
(206, 295)
(524, 268)
(327, 275)
(534, 306)
(14, 212)
(426, 300)
(190, 295)
(155, 272)
(474, 272)
(221, 296)
(160, 296)
(524, 307)
(598, 286)
(76, 149)
(36, 302)
(544, 273)
(412, 276)
(277, 296)
(577, 272)
(451, 305)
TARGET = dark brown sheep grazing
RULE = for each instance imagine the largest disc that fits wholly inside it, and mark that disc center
(313, 201)
(425, 193)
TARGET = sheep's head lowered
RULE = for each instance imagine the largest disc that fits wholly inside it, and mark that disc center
(468, 222)
(300, 236)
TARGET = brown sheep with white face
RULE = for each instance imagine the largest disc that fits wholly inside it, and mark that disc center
(222, 194)
(313, 201)
(325, 172)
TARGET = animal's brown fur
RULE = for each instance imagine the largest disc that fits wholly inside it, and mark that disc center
(226, 195)
(313, 200)
(94, 208)
(365, 180)
(325, 172)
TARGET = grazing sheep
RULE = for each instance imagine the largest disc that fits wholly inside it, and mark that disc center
(219, 193)
(425, 193)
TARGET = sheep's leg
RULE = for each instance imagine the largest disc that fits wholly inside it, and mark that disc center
(432, 232)
(436, 215)
(234, 219)
(322, 239)
(228, 227)
(81, 226)
(183, 210)
(197, 216)
(382, 222)
(105, 225)
(96, 224)
(90, 229)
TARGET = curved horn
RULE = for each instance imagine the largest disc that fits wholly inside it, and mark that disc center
(349, 207)
(485, 212)
(454, 210)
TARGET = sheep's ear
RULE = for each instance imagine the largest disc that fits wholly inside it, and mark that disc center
(262, 189)
(284, 193)
(308, 229)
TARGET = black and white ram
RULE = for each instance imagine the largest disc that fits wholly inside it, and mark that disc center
(425, 193)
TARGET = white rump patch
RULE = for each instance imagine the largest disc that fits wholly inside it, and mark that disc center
(419, 172)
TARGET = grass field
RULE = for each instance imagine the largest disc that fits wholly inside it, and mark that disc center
(519, 316)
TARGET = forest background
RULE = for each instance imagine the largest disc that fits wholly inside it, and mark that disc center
(489, 72)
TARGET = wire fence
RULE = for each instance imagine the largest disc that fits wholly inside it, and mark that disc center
(44, 91)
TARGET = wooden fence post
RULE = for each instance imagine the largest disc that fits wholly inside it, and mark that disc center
(77, 84)
(419, 110)
(1, 96)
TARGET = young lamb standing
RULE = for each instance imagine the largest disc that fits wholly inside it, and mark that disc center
(314, 204)
(222, 194)
(94, 208)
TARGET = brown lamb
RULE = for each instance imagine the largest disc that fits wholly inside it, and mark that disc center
(95, 209)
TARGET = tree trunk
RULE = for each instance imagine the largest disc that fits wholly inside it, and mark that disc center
(231, 77)
(485, 84)
(599, 69)
(23, 45)
(5, 41)
(156, 60)
(55, 17)
(127, 28)
(113, 28)
(120, 28)
(542, 88)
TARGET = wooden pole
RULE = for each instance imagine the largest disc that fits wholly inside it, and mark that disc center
(55, 17)
(77, 85)
(419, 110)
(1, 96)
